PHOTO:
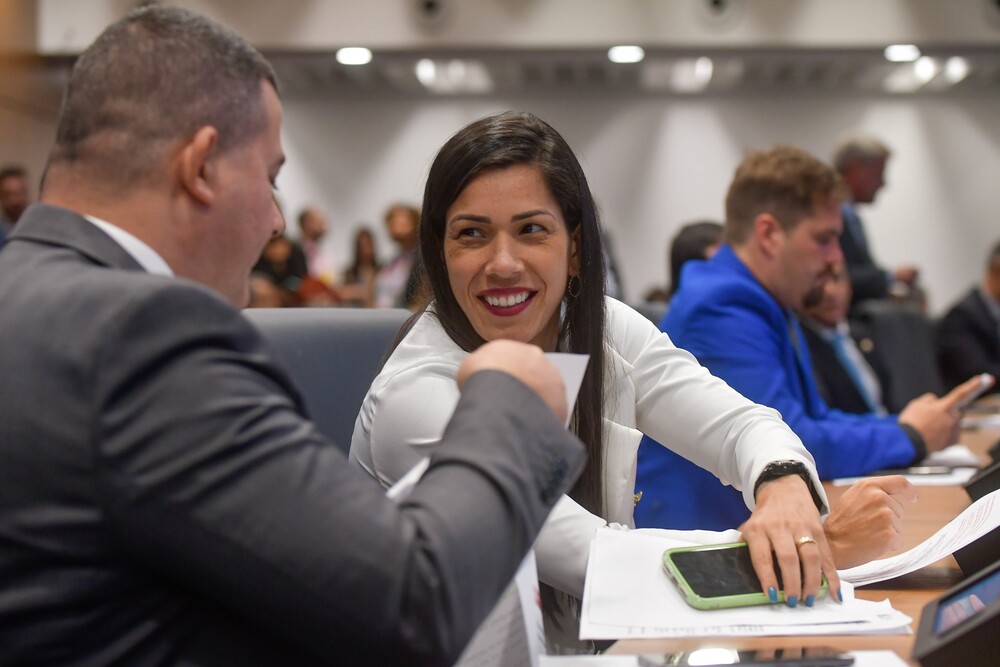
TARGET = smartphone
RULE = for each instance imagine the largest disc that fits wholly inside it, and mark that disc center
(719, 576)
(796, 656)
(985, 382)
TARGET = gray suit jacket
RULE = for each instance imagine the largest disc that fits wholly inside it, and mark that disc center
(868, 279)
(163, 499)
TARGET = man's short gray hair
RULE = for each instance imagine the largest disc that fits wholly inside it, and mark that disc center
(859, 149)
(154, 78)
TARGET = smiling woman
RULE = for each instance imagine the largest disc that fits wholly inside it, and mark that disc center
(508, 256)
(510, 244)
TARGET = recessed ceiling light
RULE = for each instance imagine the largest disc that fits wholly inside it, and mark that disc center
(925, 69)
(354, 55)
(691, 75)
(426, 72)
(956, 69)
(453, 76)
(901, 53)
(626, 54)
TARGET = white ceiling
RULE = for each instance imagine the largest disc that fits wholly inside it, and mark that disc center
(662, 72)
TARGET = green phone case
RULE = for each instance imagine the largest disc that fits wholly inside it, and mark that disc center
(725, 601)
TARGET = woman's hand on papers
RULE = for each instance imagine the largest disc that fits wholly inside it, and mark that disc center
(786, 526)
(867, 521)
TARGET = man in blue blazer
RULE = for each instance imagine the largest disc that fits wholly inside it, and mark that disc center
(735, 313)
(163, 498)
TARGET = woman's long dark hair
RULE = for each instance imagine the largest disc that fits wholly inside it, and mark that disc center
(505, 140)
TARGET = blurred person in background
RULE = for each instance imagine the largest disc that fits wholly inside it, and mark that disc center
(312, 230)
(860, 161)
(359, 278)
(397, 283)
(849, 374)
(14, 198)
(968, 336)
(696, 240)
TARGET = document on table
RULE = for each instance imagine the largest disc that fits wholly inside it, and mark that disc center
(978, 519)
(981, 421)
(513, 633)
(956, 456)
(861, 659)
(628, 595)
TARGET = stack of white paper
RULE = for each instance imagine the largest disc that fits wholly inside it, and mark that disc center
(628, 595)
(861, 659)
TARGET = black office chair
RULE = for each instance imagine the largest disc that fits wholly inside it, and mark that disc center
(903, 337)
(332, 355)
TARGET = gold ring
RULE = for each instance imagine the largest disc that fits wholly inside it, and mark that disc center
(799, 543)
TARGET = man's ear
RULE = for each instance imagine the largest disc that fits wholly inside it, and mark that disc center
(197, 166)
(768, 234)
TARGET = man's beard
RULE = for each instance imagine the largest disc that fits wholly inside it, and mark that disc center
(813, 297)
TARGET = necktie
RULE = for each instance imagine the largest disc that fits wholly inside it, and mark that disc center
(840, 349)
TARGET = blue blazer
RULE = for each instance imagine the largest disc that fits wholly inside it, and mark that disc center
(735, 328)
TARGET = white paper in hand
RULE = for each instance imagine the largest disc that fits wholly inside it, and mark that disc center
(571, 367)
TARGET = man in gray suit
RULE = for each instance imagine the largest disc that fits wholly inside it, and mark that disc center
(860, 161)
(163, 500)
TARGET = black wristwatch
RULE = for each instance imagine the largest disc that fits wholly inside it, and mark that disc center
(776, 469)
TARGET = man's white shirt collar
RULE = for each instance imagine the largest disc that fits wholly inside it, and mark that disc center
(148, 258)
(828, 333)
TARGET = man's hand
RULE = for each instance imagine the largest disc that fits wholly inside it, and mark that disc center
(525, 362)
(906, 274)
(937, 419)
(867, 520)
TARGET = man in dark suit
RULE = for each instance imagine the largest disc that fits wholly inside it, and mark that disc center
(860, 161)
(968, 336)
(163, 499)
(849, 375)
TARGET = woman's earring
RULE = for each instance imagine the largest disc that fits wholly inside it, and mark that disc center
(573, 286)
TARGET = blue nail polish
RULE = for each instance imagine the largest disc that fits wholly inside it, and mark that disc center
(840, 596)
(772, 594)
(793, 601)
(810, 599)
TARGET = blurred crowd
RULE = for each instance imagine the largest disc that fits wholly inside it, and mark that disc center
(301, 272)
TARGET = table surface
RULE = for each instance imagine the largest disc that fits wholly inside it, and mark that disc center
(937, 505)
